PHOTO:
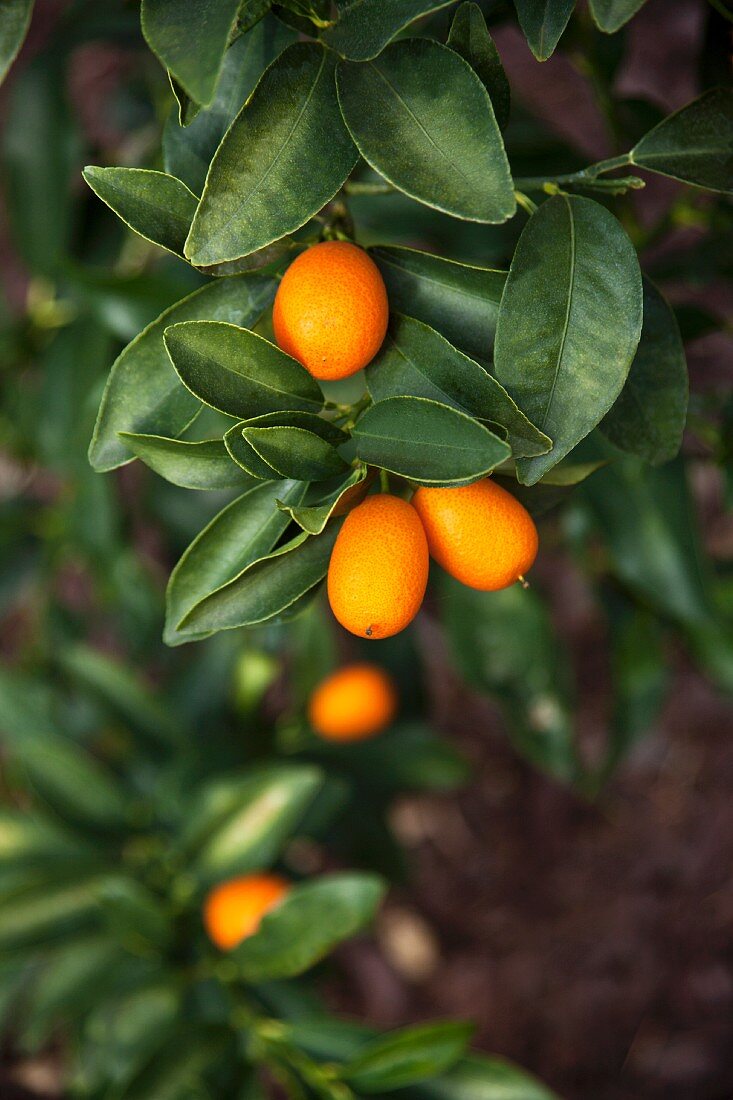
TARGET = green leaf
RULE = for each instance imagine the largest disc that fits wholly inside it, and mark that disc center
(156, 206)
(284, 157)
(238, 372)
(569, 323)
(296, 452)
(122, 690)
(73, 784)
(503, 644)
(543, 22)
(694, 145)
(364, 27)
(414, 360)
(313, 516)
(239, 824)
(15, 17)
(648, 418)
(204, 465)
(144, 394)
(457, 300)
(610, 15)
(407, 1056)
(243, 453)
(188, 150)
(190, 40)
(428, 442)
(136, 918)
(478, 1077)
(267, 588)
(241, 533)
(176, 1067)
(443, 150)
(307, 925)
(410, 756)
(45, 912)
(469, 36)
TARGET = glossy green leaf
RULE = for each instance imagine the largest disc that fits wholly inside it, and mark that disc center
(73, 784)
(204, 465)
(15, 17)
(312, 920)
(251, 12)
(240, 534)
(648, 418)
(543, 22)
(285, 156)
(296, 452)
(156, 206)
(313, 517)
(503, 644)
(188, 150)
(694, 145)
(407, 1056)
(269, 587)
(364, 27)
(253, 461)
(479, 1077)
(459, 301)
(469, 36)
(190, 40)
(238, 372)
(239, 824)
(569, 323)
(610, 15)
(431, 443)
(415, 360)
(45, 912)
(422, 118)
(245, 456)
(144, 394)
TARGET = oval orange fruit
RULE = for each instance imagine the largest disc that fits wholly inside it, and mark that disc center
(233, 909)
(478, 533)
(379, 567)
(331, 310)
(355, 702)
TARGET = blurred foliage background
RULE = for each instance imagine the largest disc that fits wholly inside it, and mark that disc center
(620, 657)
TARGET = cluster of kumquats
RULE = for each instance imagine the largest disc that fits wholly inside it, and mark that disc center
(331, 313)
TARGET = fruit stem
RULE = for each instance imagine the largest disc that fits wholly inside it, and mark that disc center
(523, 581)
(384, 481)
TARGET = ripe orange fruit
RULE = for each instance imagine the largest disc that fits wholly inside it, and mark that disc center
(479, 533)
(379, 567)
(331, 310)
(353, 703)
(233, 909)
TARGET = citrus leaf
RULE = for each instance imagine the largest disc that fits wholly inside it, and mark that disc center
(469, 36)
(426, 441)
(246, 457)
(239, 824)
(610, 15)
(569, 323)
(15, 17)
(156, 206)
(694, 145)
(443, 150)
(295, 452)
(543, 22)
(188, 150)
(204, 465)
(144, 394)
(479, 1077)
(244, 531)
(190, 40)
(458, 300)
(415, 360)
(648, 418)
(364, 27)
(285, 156)
(46, 912)
(407, 1056)
(238, 372)
(307, 925)
(266, 588)
(313, 517)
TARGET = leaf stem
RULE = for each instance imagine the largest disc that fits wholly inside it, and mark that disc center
(363, 187)
(585, 177)
(525, 202)
(384, 481)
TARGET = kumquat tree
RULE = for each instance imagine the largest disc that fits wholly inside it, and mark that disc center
(366, 571)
